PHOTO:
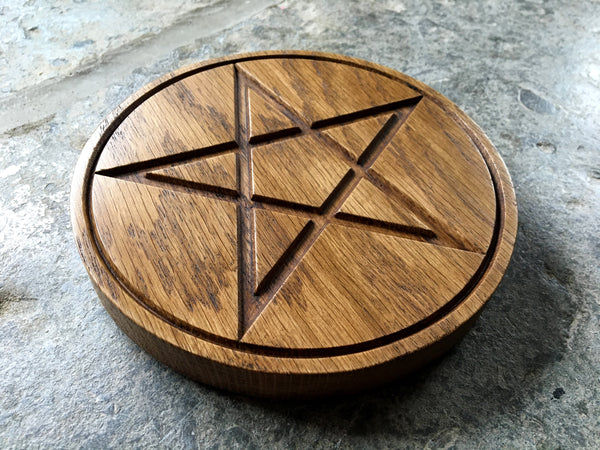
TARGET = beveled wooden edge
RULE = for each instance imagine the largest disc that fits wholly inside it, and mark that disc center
(284, 385)
(453, 324)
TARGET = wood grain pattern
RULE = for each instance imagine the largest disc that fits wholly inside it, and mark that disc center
(291, 223)
(299, 171)
(266, 120)
(158, 243)
(355, 136)
(317, 90)
(335, 277)
(203, 106)
(210, 173)
(369, 204)
(275, 235)
(433, 147)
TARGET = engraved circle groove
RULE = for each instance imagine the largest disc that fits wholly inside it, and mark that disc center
(327, 211)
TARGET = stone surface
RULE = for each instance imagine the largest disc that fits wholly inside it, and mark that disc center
(528, 72)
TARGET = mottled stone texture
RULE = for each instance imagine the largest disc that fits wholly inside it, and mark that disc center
(527, 72)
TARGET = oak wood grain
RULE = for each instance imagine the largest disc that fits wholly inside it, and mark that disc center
(275, 236)
(203, 109)
(356, 136)
(215, 172)
(292, 223)
(266, 119)
(300, 170)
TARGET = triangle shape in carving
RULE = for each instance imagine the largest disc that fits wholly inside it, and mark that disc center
(443, 175)
(218, 172)
(359, 292)
(171, 121)
(355, 137)
(317, 90)
(267, 119)
(370, 204)
(275, 234)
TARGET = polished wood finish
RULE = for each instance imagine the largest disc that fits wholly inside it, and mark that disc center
(292, 224)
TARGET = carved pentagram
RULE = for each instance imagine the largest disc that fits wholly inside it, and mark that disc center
(291, 177)
(292, 223)
(256, 294)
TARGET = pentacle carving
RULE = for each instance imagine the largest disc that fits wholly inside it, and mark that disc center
(296, 205)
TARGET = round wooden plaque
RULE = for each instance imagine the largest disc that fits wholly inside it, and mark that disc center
(292, 223)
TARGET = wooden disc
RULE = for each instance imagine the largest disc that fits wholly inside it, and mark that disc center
(292, 223)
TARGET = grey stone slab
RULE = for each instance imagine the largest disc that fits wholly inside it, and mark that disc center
(527, 375)
(51, 40)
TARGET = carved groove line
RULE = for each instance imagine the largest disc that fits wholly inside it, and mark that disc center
(246, 224)
(169, 160)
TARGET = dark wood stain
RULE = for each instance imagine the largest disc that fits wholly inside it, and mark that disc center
(422, 152)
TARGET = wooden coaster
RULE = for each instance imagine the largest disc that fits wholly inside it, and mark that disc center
(292, 223)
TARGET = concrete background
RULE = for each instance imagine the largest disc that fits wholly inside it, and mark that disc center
(527, 376)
